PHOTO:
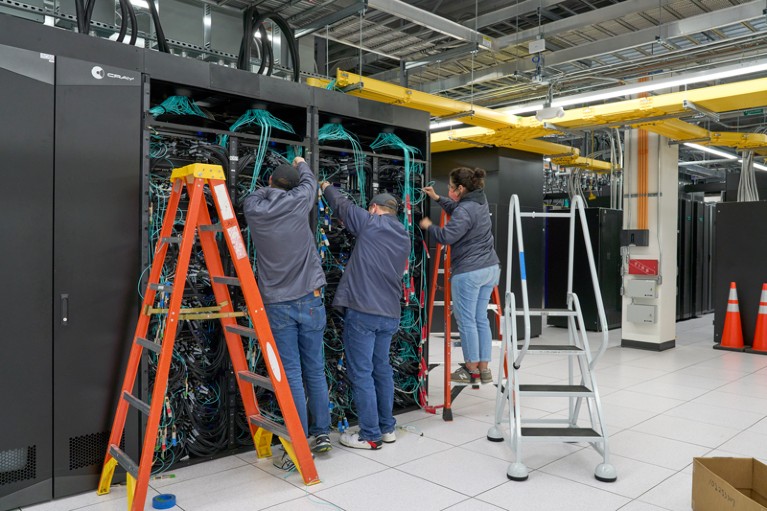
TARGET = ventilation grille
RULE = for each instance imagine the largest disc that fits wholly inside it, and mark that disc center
(18, 465)
(87, 450)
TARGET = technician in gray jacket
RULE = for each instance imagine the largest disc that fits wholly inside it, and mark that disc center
(290, 279)
(369, 293)
(475, 267)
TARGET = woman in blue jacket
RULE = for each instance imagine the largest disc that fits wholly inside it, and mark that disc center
(475, 267)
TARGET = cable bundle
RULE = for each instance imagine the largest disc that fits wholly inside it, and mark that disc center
(335, 131)
(747, 189)
(253, 21)
(177, 105)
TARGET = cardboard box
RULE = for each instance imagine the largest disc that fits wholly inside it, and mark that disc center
(733, 484)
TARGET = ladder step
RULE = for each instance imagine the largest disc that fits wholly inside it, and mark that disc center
(560, 434)
(211, 227)
(256, 379)
(229, 281)
(242, 331)
(136, 403)
(171, 239)
(547, 312)
(556, 390)
(440, 270)
(271, 426)
(146, 343)
(553, 349)
(165, 288)
(124, 460)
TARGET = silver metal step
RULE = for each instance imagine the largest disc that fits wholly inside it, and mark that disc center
(547, 434)
(555, 390)
(242, 331)
(271, 426)
(136, 402)
(553, 349)
(547, 312)
(124, 460)
(256, 379)
(150, 345)
(229, 281)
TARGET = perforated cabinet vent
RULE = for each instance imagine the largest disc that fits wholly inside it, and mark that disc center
(18, 465)
(87, 450)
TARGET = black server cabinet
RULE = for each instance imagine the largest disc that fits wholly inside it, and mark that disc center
(508, 172)
(685, 260)
(604, 230)
(96, 261)
(739, 257)
(26, 145)
(699, 257)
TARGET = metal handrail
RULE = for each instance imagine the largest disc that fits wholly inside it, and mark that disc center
(515, 216)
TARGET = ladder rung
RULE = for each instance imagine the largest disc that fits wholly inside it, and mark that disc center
(124, 460)
(165, 288)
(229, 281)
(439, 303)
(556, 390)
(271, 426)
(242, 331)
(171, 239)
(440, 270)
(540, 214)
(256, 379)
(549, 349)
(547, 312)
(211, 227)
(561, 434)
(150, 345)
(136, 402)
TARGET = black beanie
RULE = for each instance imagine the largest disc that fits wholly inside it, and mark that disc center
(387, 200)
(285, 177)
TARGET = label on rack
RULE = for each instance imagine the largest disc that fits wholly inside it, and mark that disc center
(643, 266)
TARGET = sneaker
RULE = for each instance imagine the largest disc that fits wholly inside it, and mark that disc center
(486, 376)
(462, 375)
(321, 443)
(389, 438)
(354, 441)
(283, 462)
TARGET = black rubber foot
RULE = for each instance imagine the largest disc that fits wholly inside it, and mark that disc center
(756, 352)
(516, 478)
(494, 439)
(605, 479)
(447, 415)
(725, 348)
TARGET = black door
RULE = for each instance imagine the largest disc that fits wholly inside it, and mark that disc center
(26, 207)
(96, 260)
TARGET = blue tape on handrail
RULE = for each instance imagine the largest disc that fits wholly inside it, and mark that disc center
(164, 501)
(522, 271)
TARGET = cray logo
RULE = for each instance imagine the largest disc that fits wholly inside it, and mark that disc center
(98, 73)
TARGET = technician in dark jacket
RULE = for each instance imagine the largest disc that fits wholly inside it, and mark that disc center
(475, 267)
(290, 279)
(369, 292)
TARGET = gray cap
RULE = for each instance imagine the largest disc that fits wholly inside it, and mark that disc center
(285, 177)
(385, 199)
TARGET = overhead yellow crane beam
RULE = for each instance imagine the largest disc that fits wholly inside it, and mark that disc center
(659, 114)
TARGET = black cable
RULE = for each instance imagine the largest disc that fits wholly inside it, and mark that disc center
(123, 22)
(133, 23)
(290, 39)
(162, 42)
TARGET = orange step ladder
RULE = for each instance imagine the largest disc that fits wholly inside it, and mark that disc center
(442, 256)
(195, 178)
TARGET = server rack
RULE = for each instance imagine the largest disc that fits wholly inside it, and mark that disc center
(93, 236)
(604, 228)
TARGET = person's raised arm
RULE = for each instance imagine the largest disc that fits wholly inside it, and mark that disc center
(352, 215)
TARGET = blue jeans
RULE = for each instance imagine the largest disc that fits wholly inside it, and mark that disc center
(367, 339)
(298, 327)
(471, 293)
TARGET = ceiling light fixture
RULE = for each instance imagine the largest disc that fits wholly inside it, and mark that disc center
(712, 151)
(636, 88)
(443, 124)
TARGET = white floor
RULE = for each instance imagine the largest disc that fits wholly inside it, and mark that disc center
(662, 410)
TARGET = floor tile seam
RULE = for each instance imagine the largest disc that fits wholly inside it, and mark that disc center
(438, 484)
(247, 464)
(715, 424)
(306, 495)
(639, 498)
(580, 483)
(670, 438)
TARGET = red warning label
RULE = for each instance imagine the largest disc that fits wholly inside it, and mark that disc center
(643, 266)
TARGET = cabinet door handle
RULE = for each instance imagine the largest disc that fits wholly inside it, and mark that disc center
(65, 309)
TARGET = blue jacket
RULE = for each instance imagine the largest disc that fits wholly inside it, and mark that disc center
(372, 281)
(289, 265)
(469, 233)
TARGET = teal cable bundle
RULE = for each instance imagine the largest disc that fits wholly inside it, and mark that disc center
(177, 105)
(334, 131)
(266, 121)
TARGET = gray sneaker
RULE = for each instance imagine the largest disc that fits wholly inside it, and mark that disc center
(321, 443)
(485, 376)
(464, 376)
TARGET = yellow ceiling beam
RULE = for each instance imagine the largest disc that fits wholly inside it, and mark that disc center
(437, 106)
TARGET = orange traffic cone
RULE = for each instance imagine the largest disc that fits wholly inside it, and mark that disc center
(760, 335)
(732, 334)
